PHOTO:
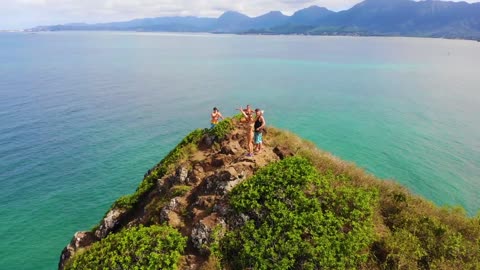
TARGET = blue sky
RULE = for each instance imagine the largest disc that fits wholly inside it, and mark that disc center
(19, 14)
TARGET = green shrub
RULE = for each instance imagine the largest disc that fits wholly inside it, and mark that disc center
(298, 220)
(156, 247)
(427, 242)
(222, 128)
(404, 250)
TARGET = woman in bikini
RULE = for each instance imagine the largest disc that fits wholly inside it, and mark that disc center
(250, 121)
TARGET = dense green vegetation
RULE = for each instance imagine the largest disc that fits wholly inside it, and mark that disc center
(434, 240)
(298, 220)
(410, 232)
(156, 247)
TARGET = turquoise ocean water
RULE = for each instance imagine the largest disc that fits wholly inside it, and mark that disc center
(84, 115)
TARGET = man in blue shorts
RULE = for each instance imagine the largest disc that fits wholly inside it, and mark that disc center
(258, 127)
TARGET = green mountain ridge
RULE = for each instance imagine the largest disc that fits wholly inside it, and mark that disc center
(291, 206)
(440, 19)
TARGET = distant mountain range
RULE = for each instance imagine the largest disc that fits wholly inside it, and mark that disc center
(371, 17)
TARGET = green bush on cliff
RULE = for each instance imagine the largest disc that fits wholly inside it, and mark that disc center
(299, 221)
(156, 247)
(222, 128)
(424, 240)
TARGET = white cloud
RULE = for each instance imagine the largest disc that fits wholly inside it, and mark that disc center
(28, 13)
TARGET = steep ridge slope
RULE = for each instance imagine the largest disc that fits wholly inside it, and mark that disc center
(186, 185)
(220, 200)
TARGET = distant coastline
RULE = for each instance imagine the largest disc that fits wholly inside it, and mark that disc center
(252, 34)
(405, 18)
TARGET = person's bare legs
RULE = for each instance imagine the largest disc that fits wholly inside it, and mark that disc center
(258, 147)
(250, 144)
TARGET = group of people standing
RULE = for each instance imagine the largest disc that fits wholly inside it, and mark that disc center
(255, 127)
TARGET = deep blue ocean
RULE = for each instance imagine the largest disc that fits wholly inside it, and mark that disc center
(84, 115)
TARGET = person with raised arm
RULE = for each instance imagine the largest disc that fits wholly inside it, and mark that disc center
(250, 121)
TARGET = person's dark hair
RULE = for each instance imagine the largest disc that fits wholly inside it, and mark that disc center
(215, 109)
(257, 110)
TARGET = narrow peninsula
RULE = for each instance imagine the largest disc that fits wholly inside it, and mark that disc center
(292, 206)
